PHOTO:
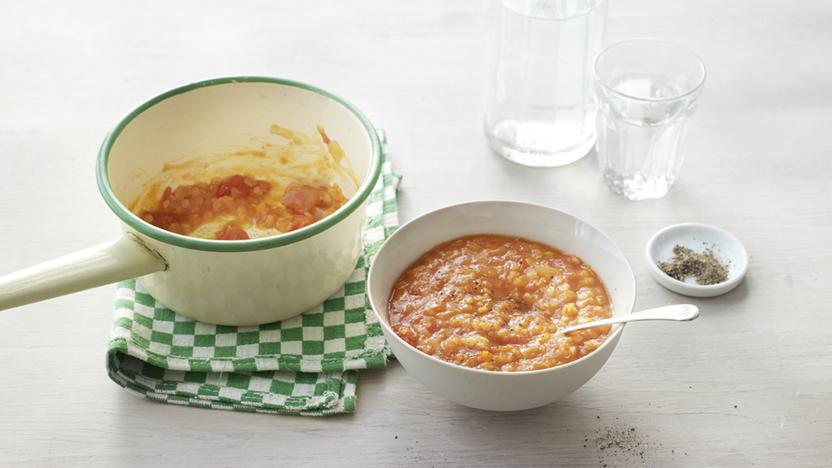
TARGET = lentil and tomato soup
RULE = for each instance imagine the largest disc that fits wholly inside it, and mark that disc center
(496, 303)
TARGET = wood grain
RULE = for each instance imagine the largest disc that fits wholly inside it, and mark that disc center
(749, 383)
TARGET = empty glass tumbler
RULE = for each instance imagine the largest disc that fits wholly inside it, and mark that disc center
(539, 103)
(646, 90)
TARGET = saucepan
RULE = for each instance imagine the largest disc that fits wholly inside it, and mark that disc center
(240, 282)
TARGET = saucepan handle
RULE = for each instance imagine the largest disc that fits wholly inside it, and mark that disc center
(106, 263)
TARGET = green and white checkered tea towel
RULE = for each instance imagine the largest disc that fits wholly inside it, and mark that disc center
(305, 365)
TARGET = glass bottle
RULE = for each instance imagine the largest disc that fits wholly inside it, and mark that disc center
(539, 104)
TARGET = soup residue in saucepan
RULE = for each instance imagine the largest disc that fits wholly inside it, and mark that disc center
(250, 193)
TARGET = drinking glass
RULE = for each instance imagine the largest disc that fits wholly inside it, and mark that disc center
(646, 90)
(539, 108)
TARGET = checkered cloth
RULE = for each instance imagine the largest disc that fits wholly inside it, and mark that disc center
(305, 365)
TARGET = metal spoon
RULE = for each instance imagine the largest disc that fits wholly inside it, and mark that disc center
(679, 312)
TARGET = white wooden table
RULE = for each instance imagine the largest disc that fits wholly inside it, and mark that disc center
(749, 383)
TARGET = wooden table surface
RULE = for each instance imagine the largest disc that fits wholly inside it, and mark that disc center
(749, 383)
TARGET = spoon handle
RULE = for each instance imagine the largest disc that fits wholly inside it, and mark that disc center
(678, 312)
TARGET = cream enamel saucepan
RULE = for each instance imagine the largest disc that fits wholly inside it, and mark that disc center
(243, 282)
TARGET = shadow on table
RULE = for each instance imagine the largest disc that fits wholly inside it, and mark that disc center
(567, 428)
(727, 303)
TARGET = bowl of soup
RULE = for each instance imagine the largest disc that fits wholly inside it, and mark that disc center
(472, 298)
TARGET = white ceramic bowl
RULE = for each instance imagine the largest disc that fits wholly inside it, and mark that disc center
(489, 390)
(696, 236)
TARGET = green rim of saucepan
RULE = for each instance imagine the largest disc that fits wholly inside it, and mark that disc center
(102, 176)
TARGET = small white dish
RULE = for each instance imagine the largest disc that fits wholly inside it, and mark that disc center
(698, 237)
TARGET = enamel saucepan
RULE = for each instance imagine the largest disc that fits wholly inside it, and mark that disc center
(223, 282)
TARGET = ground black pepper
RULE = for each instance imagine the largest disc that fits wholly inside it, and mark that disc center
(617, 442)
(703, 266)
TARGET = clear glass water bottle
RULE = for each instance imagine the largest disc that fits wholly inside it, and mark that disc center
(539, 105)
